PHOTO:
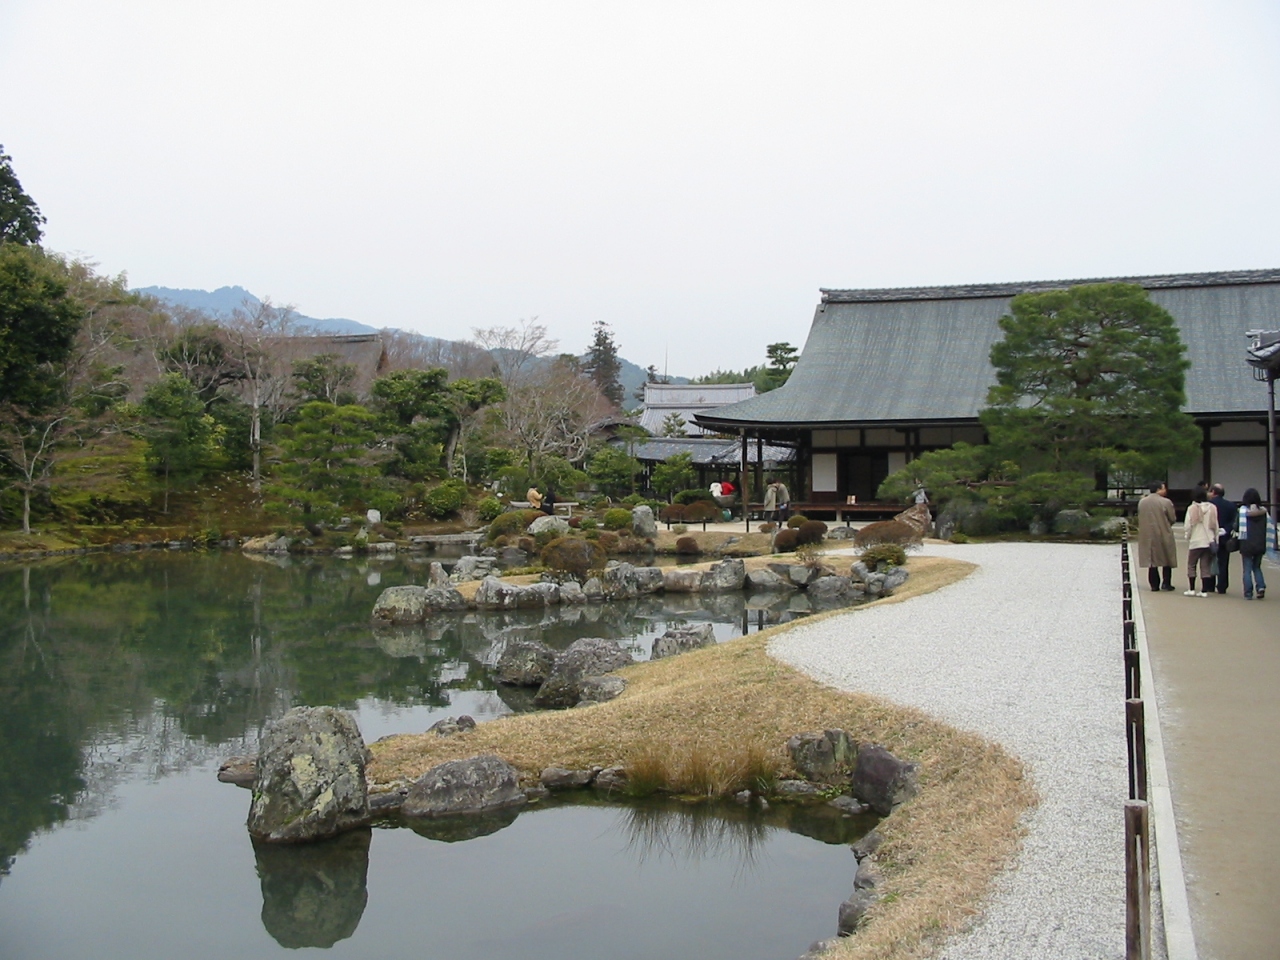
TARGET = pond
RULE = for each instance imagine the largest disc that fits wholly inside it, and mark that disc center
(125, 679)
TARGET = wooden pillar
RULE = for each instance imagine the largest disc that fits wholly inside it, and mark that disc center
(759, 490)
(742, 481)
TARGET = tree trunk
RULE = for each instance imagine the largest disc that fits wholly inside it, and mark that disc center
(450, 446)
(26, 511)
(165, 511)
(255, 443)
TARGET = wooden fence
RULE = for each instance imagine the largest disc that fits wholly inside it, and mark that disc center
(1137, 814)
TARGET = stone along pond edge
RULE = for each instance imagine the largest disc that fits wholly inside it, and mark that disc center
(940, 849)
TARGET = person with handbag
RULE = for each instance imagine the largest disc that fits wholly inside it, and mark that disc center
(1253, 543)
(1201, 524)
(1227, 540)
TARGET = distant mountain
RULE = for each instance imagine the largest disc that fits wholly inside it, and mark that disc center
(224, 301)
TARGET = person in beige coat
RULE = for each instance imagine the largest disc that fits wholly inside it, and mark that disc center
(1156, 549)
(1201, 523)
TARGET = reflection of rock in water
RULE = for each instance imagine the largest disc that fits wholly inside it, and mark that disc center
(402, 640)
(314, 894)
(468, 827)
(826, 824)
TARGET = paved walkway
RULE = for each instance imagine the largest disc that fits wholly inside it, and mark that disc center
(1217, 673)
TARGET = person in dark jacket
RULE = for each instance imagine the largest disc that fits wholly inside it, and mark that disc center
(1253, 543)
(1226, 527)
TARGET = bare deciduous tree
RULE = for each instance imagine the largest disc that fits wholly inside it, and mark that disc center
(256, 332)
(552, 412)
(515, 348)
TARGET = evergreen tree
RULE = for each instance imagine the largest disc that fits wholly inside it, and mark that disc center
(39, 319)
(602, 364)
(331, 456)
(182, 439)
(1089, 379)
(20, 218)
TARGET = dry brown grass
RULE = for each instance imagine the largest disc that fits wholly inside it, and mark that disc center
(712, 718)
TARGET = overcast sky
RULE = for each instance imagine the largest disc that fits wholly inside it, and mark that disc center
(690, 172)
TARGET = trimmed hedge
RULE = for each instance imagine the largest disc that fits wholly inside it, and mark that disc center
(692, 496)
(786, 541)
(617, 518)
(811, 531)
(688, 547)
(573, 558)
(513, 521)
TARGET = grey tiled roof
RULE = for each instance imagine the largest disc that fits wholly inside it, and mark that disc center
(706, 451)
(921, 354)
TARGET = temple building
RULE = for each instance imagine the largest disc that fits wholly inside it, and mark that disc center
(888, 374)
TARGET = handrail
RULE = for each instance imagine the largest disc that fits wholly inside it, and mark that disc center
(1137, 815)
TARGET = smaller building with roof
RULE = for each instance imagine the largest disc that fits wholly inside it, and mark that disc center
(662, 400)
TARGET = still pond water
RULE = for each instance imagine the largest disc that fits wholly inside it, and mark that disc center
(125, 679)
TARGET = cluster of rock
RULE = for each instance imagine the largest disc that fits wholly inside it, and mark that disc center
(973, 518)
(876, 781)
(624, 581)
(578, 676)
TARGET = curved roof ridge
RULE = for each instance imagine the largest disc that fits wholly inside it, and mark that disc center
(995, 290)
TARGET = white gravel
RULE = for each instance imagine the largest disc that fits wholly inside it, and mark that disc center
(1026, 651)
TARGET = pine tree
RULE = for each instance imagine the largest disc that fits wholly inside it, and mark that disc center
(602, 363)
(20, 218)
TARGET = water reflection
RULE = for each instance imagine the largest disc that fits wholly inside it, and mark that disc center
(134, 666)
(314, 894)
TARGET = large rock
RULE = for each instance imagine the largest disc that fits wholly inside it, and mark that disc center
(538, 595)
(852, 910)
(242, 771)
(557, 525)
(648, 580)
(587, 657)
(593, 590)
(682, 640)
(917, 517)
(311, 782)
(620, 582)
(768, 580)
(437, 575)
(600, 689)
(315, 894)
(642, 522)
(452, 725)
(726, 576)
(571, 593)
(881, 780)
(268, 544)
(476, 785)
(495, 594)
(827, 756)
(831, 591)
(1074, 523)
(472, 568)
(411, 604)
(558, 778)
(894, 577)
(525, 663)
(679, 580)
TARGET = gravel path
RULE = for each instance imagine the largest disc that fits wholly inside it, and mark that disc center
(1025, 651)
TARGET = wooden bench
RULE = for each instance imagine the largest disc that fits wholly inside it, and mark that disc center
(567, 505)
(844, 512)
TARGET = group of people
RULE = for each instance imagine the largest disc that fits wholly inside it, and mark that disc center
(1215, 528)
(546, 503)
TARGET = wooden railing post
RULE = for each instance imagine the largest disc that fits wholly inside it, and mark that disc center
(1137, 881)
(1136, 734)
(1132, 674)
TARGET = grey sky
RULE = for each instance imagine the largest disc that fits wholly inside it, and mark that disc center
(689, 172)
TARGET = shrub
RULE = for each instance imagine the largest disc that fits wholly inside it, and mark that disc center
(767, 527)
(887, 531)
(811, 531)
(489, 509)
(571, 558)
(587, 523)
(785, 541)
(680, 528)
(513, 521)
(633, 545)
(543, 538)
(700, 511)
(693, 496)
(688, 547)
(617, 518)
(592, 534)
(884, 555)
(796, 519)
(959, 537)
(527, 544)
(632, 499)
(671, 513)
(575, 523)
(609, 541)
(445, 498)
